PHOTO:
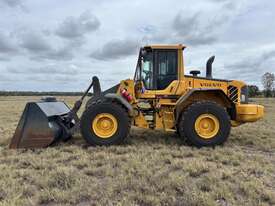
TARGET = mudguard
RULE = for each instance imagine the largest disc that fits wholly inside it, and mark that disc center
(184, 98)
(120, 100)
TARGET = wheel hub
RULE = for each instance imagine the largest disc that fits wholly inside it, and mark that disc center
(104, 125)
(207, 126)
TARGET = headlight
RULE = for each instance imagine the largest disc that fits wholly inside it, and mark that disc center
(243, 98)
(244, 94)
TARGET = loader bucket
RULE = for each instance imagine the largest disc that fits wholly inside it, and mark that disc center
(38, 126)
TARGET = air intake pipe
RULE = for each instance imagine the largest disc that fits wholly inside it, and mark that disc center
(209, 67)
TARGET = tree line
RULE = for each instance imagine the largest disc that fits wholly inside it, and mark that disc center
(30, 93)
(268, 80)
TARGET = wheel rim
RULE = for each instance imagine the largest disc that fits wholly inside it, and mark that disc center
(104, 125)
(207, 126)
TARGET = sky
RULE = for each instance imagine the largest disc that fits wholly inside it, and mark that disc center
(51, 45)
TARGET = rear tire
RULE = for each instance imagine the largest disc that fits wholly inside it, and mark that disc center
(105, 124)
(205, 123)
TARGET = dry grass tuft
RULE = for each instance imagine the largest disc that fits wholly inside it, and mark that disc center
(151, 168)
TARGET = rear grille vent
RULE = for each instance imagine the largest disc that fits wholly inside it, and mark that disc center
(233, 93)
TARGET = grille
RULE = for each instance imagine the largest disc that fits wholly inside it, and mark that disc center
(233, 93)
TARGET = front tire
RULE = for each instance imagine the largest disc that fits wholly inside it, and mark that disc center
(105, 124)
(205, 123)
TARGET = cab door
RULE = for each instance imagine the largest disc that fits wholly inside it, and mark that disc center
(158, 73)
(165, 68)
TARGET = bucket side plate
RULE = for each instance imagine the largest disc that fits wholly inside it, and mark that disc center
(34, 130)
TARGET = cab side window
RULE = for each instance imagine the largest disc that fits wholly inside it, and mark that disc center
(166, 68)
(147, 71)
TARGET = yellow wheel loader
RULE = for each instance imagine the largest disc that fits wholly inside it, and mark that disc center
(201, 109)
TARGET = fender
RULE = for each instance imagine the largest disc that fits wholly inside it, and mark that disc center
(100, 95)
(120, 100)
(183, 100)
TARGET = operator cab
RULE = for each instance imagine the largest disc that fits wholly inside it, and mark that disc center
(157, 66)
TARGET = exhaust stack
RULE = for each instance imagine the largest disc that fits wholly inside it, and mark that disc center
(209, 67)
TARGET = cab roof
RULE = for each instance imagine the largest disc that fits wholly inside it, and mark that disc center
(165, 46)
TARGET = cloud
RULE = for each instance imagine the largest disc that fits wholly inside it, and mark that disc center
(201, 28)
(39, 47)
(68, 79)
(34, 42)
(251, 68)
(6, 45)
(75, 27)
(192, 30)
(65, 52)
(116, 49)
(253, 63)
(219, 1)
(11, 3)
(4, 59)
(183, 28)
(195, 27)
(49, 70)
(62, 54)
(5, 78)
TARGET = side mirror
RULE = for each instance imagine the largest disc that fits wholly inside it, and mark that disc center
(143, 52)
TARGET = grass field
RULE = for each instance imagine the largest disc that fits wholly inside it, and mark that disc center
(151, 168)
